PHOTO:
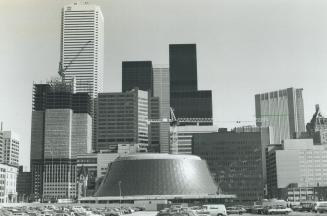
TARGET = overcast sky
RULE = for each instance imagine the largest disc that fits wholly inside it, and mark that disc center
(244, 47)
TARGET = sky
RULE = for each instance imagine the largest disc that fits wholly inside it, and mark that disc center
(244, 47)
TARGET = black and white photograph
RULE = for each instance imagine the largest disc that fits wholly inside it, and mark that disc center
(163, 107)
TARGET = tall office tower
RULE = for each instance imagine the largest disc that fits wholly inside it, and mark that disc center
(161, 89)
(237, 160)
(82, 50)
(142, 75)
(154, 127)
(11, 148)
(122, 119)
(61, 129)
(283, 110)
(82, 47)
(196, 104)
(185, 98)
(183, 67)
(137, 74)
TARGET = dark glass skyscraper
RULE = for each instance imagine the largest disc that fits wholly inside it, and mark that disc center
(185, 98)
(183, 67)
(195, 104)
(137, 74)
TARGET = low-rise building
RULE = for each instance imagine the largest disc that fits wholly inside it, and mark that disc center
(24, 185)
(297, 170)
(8, 177)
(237, 160)
(96, 164)
(185, 134)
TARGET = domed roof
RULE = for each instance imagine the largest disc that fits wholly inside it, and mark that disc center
(158, 156)
(157, 174)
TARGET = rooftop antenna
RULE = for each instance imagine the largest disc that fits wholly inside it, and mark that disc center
(1, 127)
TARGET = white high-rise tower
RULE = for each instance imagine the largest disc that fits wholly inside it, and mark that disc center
(82, 47)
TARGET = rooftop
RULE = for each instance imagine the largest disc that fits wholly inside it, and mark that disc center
(157, 156)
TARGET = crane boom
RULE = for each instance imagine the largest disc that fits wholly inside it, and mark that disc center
(62, 69)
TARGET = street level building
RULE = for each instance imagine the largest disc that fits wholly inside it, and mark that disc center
(122, 118)
(8, 178)
(23, 185)
(236, 160)
(96, 164)
(297, 165)
(283, 110)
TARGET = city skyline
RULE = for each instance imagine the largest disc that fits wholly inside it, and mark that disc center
(283, 49)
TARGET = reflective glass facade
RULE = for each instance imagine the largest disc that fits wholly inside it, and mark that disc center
(185, 98)
(197, 104)
(137, 74)
(154, 174)
(183, 67)
(236, 161)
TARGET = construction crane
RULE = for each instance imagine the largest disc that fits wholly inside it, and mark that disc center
(175, 122)
(62, 69)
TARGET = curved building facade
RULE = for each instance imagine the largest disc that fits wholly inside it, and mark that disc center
(157, 174)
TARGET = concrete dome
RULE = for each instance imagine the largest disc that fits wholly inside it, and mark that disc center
(157, 174)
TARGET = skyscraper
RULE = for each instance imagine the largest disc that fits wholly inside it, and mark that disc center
(137, 74)
(61, 129)
(283, 110)
(183, 67)
(122, 119)
(82, 51)
(161, 89)
(185, 98)
(195, 104)
(82, 47)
